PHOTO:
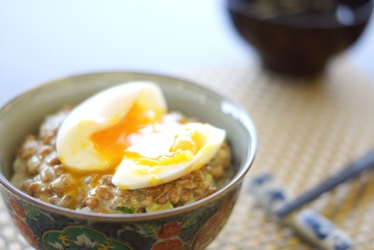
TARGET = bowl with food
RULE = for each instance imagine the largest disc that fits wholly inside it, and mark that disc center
(299, 37)
(122, 160)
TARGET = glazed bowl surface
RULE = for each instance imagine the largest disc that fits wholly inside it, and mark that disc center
(192, 226)
(298, 37)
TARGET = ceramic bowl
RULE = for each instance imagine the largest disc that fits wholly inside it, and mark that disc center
(192, 226)
(298, 40)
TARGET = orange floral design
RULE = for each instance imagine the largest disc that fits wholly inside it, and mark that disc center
(17, 208)
(170, 244)
(212, 227)
(26, 231)
(169, 230)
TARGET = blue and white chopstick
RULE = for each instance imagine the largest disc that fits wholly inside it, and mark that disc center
(361, 164)
(269, 193)
(322, 232)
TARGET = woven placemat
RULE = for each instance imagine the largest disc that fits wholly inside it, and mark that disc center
(307, 130)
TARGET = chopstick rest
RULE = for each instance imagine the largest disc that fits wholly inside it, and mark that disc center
(309, 224)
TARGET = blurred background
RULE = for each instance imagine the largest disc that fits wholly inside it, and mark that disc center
(307, 130)
(43, 40)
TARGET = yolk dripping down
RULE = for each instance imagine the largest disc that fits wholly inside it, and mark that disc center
(112, 142)
(184, 147)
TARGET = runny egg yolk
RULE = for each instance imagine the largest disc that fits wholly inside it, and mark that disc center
(113, 141)
(184, 148)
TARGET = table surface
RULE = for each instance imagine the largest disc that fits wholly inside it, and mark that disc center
(328, 121)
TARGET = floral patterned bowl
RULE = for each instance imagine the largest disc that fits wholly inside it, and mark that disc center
(192, 226)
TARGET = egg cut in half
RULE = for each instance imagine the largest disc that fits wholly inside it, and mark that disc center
(160, 157)
(92, 137)
(121, 128)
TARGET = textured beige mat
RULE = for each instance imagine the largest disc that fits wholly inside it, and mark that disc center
(307, 130)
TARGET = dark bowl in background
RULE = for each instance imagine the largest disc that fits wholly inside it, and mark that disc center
(299, 43)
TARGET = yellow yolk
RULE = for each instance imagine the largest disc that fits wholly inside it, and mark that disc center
(184, 148)
(163, 156)
(112, 142)
(105, 114)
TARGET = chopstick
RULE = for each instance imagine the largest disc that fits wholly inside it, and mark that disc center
(353, 169)
(310, 225)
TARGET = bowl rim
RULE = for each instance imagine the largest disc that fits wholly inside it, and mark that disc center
(245, 119)
(309, 21)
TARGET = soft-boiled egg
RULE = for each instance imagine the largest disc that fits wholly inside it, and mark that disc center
(164, 156)
(123, 128)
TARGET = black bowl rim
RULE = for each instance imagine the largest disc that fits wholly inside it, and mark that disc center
(309, 21)
(246, 120)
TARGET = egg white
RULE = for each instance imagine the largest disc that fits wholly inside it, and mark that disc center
(98, 112)
(132, 175)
